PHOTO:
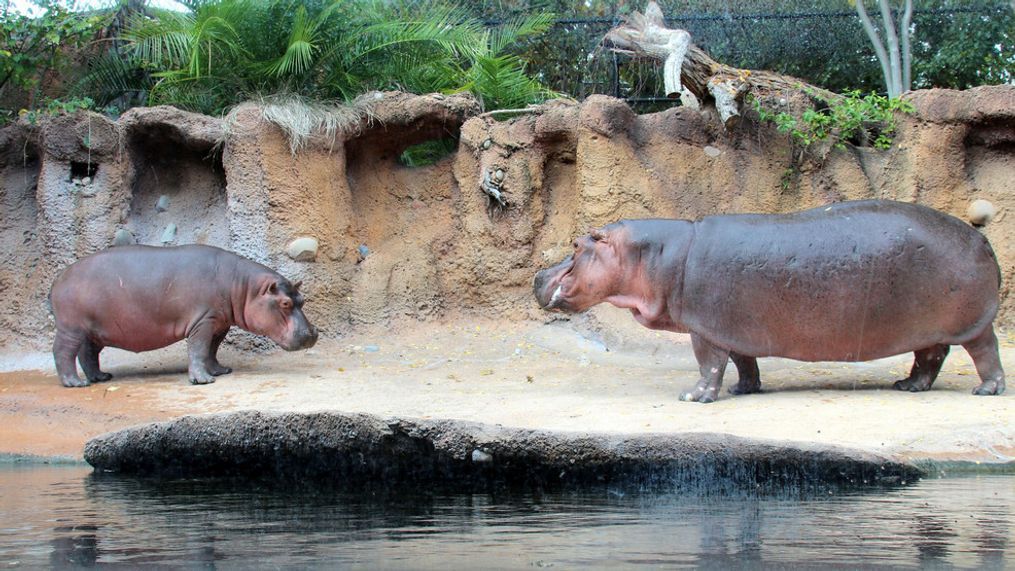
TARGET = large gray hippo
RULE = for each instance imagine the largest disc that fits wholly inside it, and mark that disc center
(853, 281)
(141, 298)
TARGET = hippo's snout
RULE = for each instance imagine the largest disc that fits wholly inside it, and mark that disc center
(304, 336)
(546, 286)
(538, 287)
(307, 338)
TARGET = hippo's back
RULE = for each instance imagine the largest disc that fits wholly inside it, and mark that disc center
(846, 282)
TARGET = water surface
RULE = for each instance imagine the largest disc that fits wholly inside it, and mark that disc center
(63, 516)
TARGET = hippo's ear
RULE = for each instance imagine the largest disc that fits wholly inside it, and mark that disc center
(296, 286)
(596, 234)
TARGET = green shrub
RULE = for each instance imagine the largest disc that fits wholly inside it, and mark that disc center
(854, 118)
(223, 52)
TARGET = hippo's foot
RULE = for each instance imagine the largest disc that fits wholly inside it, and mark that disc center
(201, 378)
(73, 381)
(217, 369)
(994, 387)
(743, 388)
(100, 377)
(913, 385)
(702, 392)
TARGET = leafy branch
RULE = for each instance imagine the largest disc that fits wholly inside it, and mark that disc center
(854, 118)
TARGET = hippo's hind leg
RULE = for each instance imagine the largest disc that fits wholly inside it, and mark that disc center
(750, 377)
(212, 362)
(983, 351)
(712, 362)
(926, 367)
(88, 357)
(65, 348)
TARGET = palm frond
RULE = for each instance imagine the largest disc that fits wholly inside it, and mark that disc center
(521, 27)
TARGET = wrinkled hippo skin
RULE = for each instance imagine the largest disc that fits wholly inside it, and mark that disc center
(142, 298)
(853, 281)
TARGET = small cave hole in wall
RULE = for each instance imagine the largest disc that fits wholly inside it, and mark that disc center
(428, 152)
(990, 157)
(178, 192)
(80, 170)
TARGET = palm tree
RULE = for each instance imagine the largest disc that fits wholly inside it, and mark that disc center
(221, 52)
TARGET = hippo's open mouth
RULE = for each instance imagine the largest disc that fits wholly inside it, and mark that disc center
(550, 288)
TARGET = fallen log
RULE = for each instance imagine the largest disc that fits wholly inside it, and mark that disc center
(692, 75)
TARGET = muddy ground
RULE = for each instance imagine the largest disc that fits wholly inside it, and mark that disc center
(601, 374)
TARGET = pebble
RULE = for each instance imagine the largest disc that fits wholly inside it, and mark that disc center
(303, 249)
(163, 204)
(123, 237)
(363, 251)
(980, 212)
(712, 151)
(480, 457)
(371, 348)
(169, 234)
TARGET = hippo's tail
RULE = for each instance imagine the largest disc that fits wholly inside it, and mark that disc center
(993, 256)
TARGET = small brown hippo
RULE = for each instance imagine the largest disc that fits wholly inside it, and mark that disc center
(853, 281)
(141, 298)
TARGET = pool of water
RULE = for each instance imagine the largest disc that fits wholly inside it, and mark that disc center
(64, 516)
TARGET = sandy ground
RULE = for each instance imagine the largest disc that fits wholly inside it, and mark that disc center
(529, 375)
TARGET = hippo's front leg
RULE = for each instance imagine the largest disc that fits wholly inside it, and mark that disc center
(711, 364)
(201, 346)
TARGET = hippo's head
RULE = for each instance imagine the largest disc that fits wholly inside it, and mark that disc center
(275, 310)
(589, 276)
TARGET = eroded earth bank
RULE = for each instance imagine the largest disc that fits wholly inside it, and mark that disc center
(421, 276)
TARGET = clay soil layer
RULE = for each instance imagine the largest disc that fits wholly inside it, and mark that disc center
(599, 374)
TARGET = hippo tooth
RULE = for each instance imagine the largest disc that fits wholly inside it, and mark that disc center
(556, 294)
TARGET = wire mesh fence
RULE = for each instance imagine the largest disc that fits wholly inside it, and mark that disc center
(955, 44)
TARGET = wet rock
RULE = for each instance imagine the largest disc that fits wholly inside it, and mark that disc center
(123, 237)
(169, 234)
(980, 212)
(163, 204)
(303, 249)
(364, 450)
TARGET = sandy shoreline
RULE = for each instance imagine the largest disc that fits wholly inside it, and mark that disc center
(524, 375)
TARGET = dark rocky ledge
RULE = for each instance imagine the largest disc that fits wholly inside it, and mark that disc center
(358, 450)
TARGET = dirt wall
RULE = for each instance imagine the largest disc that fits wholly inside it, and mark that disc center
(397, 241)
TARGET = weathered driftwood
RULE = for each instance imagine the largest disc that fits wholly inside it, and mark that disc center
(688, 72)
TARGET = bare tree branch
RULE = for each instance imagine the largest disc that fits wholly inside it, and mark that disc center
(879, 48)
(892, 39)
(907, 54)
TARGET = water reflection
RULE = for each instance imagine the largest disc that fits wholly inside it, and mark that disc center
(64, 517)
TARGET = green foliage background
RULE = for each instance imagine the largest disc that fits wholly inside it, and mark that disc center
(507, 52)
